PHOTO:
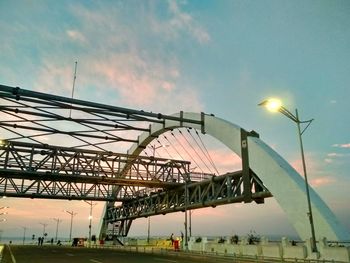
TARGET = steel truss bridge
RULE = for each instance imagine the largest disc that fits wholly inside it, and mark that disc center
(61, 148)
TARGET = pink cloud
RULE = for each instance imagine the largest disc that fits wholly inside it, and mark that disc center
(182, 146)
(322, 181)
(55, 77)
(142, 77)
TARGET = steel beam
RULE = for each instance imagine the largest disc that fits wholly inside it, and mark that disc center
(44, 171)
(219, 190)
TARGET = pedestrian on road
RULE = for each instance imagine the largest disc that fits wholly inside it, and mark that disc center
(172, 239)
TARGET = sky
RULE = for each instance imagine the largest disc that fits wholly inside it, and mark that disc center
(220, 57)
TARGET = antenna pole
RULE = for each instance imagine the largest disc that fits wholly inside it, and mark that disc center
(74, 78)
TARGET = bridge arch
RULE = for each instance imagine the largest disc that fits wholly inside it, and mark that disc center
(283, 181)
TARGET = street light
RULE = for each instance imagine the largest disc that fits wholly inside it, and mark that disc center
(190, 227)
(91, 204)
(275, 105)
(72, 214)
(154, 148)
(44, 227)
(186, 223)
(24, 233)
(57, 222)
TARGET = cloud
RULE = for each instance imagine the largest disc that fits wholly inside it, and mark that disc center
(334, 155)
(322, 181)
(328, 160)
(333, 101)
(179, 23)
(76, 36)
(121, 68)
(182, 20)
(345, 145)
(54, 77)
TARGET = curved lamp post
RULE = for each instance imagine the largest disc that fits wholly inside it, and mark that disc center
(57, 220)
(275, 105)
(91, 204)
(154, 148)
(72, 214)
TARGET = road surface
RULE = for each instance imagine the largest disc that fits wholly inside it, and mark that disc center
(55, 254)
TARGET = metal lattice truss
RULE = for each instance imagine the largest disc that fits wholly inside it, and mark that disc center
(58, 147)
(62, 148)
(218, 190)
(42, 118)
(43, 171)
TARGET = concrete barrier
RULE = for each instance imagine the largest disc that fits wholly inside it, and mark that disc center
(335, 253)
(233, 249)
(294, 252)
(197, 246)
(284, 250)
(270, 249)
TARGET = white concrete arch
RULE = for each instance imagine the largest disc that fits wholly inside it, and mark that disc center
(283, 181)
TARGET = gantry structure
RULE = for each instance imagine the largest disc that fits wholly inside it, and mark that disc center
(55, 147)
(63, 148)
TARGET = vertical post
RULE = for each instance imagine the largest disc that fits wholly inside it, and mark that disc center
(57, 222)
(44, 227)
(186, 203)
(71, 225)
(90, 221)
(245, 167)
(91, 204)
(72, 214)
(190, 227)
(24, 234)
(149, 229)
(313, 241)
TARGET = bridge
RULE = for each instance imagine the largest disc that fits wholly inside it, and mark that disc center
(61, 148)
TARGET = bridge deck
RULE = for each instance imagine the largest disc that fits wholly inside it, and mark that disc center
(53, 254)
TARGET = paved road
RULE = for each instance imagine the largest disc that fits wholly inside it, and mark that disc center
(53, 254)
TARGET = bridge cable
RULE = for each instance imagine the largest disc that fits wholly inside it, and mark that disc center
(171, 157)
(205, 148)
(55, 131)
(195, 151)
(206, 154)
(184, 148)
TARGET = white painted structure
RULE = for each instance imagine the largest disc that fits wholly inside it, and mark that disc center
(283, 181)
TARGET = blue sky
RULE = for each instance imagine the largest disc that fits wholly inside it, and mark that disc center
(220, 57)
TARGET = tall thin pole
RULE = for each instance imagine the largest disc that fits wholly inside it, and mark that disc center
(44, 227)
(149, 229)
(90, 221)
(24, 234)
(186, 228)
(313, 241)
(190, 227)
(74, 78)
(57, 222)
(90, 218)
(275, 105)
(72, 214)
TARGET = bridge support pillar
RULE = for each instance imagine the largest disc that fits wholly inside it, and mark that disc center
(247, 184)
